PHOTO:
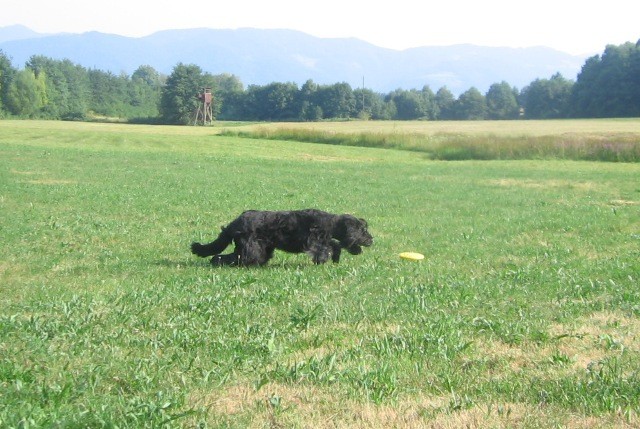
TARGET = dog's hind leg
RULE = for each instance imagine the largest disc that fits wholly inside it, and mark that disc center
(268, 254)
(252, 251)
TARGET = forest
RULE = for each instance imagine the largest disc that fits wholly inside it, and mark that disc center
(608, 85)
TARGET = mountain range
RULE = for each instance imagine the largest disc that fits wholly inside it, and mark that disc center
(260, 56)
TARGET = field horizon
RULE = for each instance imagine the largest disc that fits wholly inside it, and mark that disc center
(525, 312)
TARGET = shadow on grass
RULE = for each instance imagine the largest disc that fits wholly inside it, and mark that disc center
(287, 265)
(178, 263)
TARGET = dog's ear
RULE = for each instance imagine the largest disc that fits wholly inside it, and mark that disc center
(342, 226)
(339, 228)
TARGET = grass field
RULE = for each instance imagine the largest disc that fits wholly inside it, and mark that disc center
(611, 140)
(525, 312)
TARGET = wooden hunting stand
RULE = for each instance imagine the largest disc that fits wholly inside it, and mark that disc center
(204, 114)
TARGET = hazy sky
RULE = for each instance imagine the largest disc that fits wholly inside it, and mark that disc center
(577, 27)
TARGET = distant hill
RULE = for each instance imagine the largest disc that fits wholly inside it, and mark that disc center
(264, 56)
(17, 32)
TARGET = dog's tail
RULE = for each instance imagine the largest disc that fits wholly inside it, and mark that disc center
(214, 248)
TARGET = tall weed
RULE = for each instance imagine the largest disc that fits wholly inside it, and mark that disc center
(614, 147)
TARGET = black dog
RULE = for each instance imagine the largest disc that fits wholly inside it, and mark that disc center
(257, 234)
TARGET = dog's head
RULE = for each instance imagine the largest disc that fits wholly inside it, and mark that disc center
(352, 233)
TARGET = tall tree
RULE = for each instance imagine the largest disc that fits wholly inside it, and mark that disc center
(369, 104)
(145, 88)
(547, 98)
(272, 102)
(606, 85)
(445, 102)
(502, 101)
(26, 94)
(109, 94)
(409, 104)
(634, 71)
(6, 75)
(179, 101)
(471, 105)
(431, 110)
(337, 100)
(280, 101)
(228, 98)
(67, 84)
(308, 102)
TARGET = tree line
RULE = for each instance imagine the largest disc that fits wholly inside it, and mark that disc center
(608, 85)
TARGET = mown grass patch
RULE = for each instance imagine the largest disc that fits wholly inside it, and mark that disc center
(524, 312)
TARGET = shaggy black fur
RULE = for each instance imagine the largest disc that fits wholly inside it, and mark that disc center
(257, 234)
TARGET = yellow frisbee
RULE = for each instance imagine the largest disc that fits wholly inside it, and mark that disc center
(412, 256)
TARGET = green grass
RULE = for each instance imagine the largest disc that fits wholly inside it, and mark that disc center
(525, 312)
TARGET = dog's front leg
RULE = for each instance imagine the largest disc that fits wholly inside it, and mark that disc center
(319, 253)
(335, 251)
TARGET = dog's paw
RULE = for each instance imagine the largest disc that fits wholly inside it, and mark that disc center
(229, 260)
(354, 250)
